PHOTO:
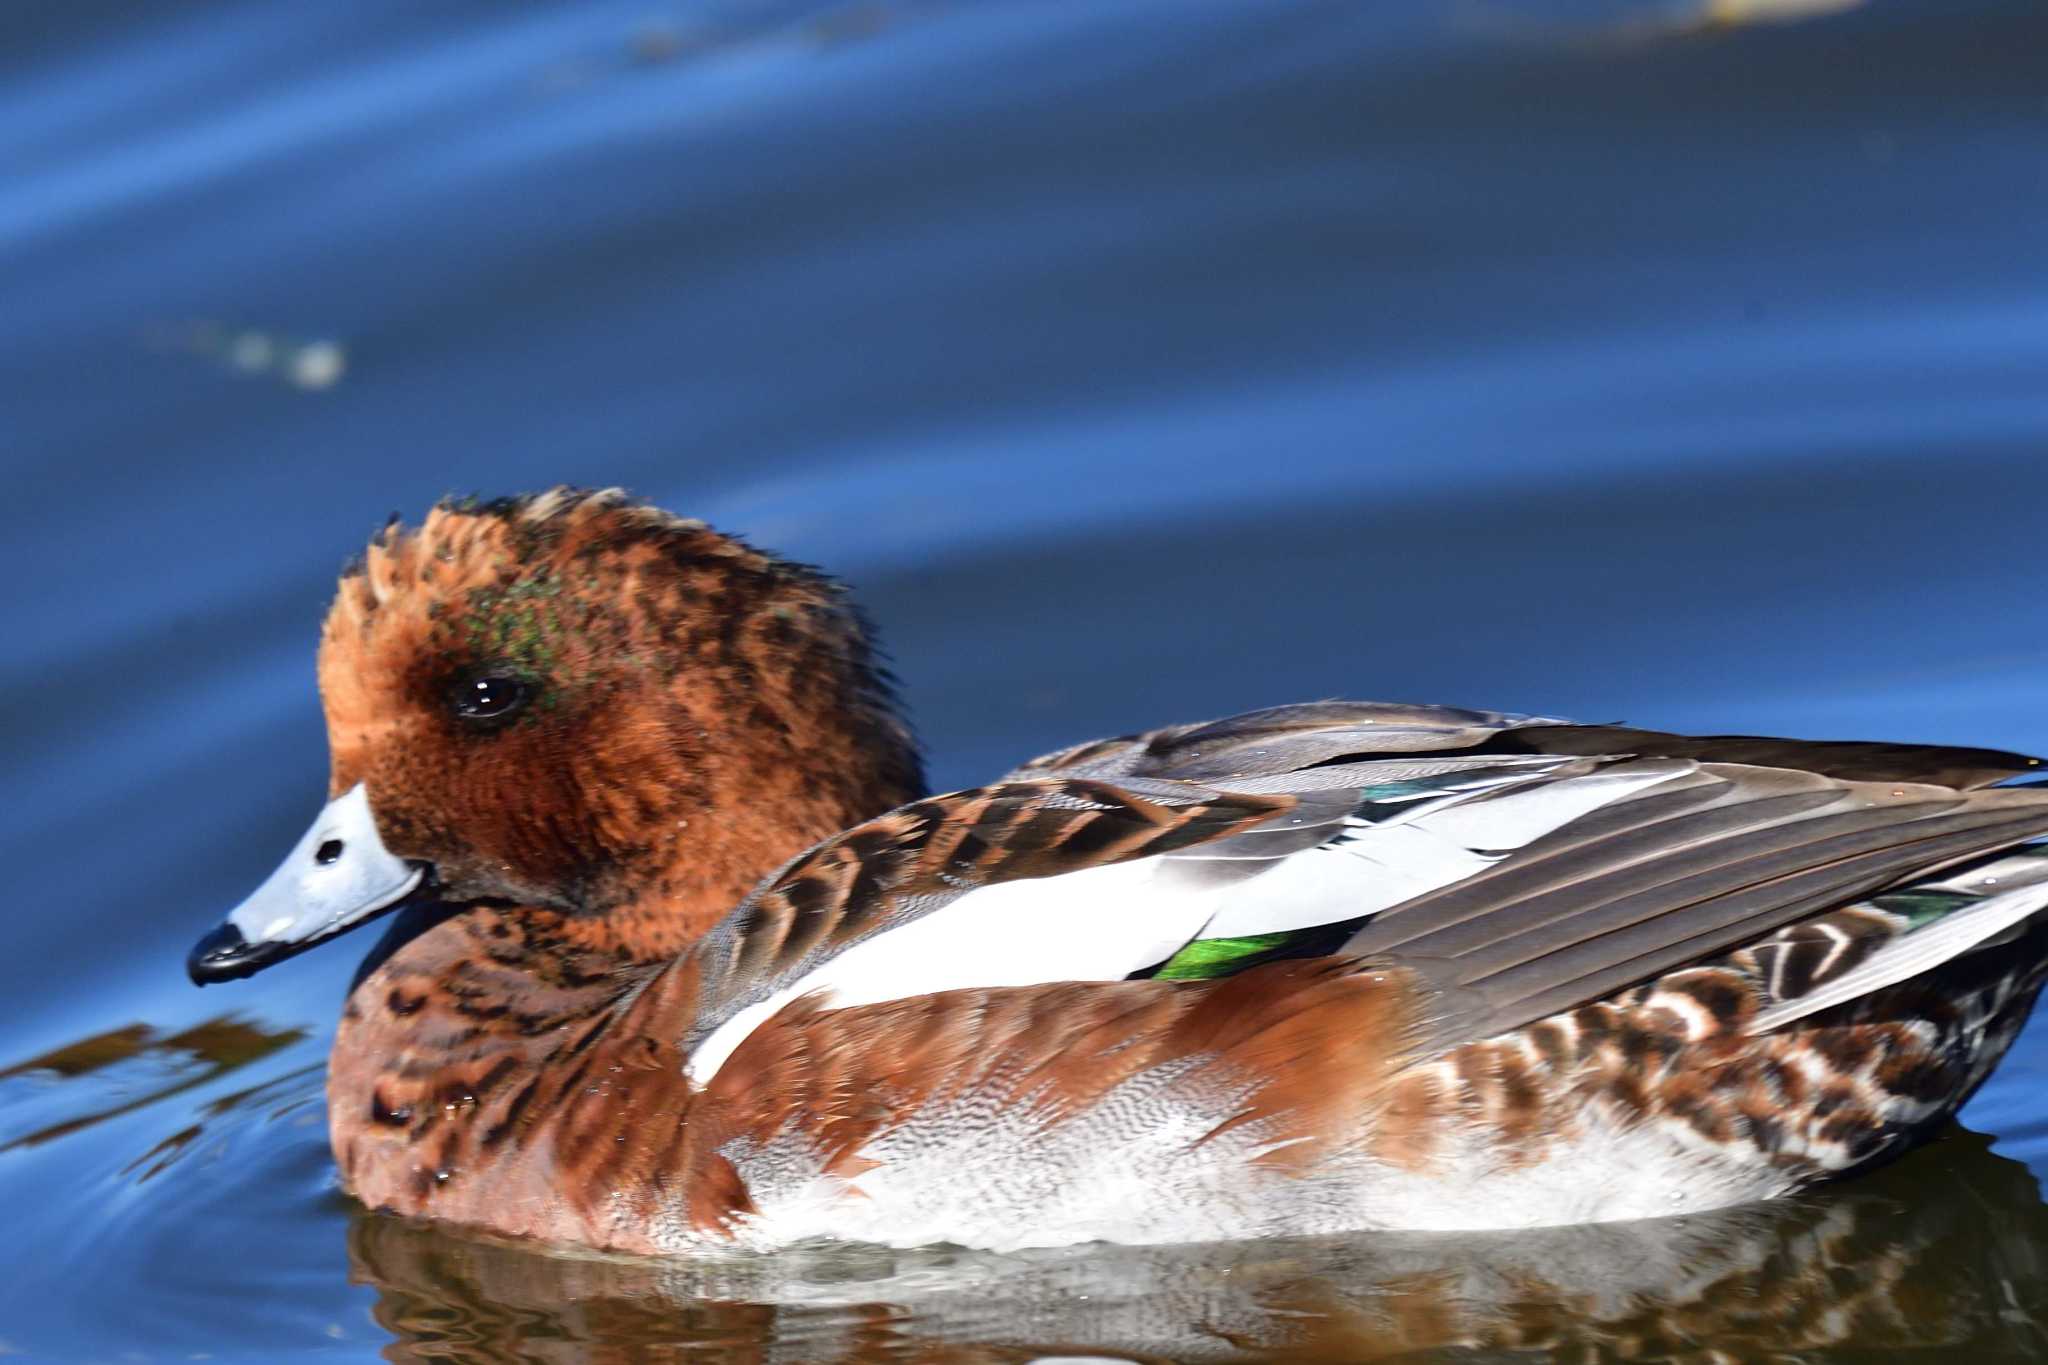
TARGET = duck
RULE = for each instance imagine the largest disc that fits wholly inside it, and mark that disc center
(681, 957)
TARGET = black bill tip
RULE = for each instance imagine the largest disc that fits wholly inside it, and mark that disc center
(224, 955)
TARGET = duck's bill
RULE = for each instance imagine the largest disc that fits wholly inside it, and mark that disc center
(338, 876)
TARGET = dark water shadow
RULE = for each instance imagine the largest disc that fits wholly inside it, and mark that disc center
(1945, 1255)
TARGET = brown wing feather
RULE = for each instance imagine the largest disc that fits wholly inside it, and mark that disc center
(1288, 738)
(1280, 739)
(909, 862)
(1680, 871)
(1851, 760)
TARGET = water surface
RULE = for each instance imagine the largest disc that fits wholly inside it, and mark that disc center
(1138, 361)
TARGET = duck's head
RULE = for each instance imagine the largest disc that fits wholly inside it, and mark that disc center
(576, 704)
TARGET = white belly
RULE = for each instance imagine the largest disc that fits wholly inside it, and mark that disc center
(1133, 1170)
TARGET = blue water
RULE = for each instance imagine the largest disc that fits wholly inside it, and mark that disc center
(1137, 361)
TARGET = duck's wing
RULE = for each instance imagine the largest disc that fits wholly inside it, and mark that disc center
(1284, 739)
(1012, 884)
(1443, 844)
(1510, 880)
(1674, 874)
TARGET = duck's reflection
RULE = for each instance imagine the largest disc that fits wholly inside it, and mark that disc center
(1941, 1254)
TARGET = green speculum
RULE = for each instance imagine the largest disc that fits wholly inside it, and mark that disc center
(1206, 958)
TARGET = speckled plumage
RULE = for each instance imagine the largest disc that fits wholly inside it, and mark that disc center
(1504, 970)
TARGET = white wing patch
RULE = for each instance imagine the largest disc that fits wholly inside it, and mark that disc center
(1100, 924)
(1376, 864)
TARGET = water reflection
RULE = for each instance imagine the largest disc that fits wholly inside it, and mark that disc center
(1624, 22)
(128, 1068)
(1943, 1250)
(309, 363)
(709, 34)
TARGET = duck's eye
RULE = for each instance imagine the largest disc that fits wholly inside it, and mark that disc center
(491, 696)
